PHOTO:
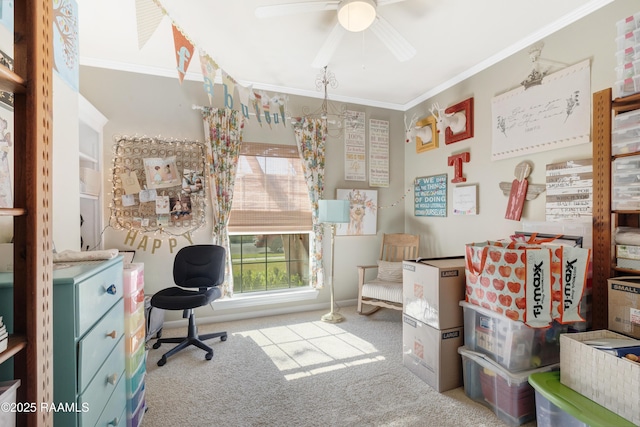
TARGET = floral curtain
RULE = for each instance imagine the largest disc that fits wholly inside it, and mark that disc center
(311, 138)
(223, 135)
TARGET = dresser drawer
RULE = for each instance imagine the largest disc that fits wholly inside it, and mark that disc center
(115, 412)
(96, 295)
(102, 386)
(98, 344)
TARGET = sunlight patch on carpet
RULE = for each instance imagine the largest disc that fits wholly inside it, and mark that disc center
(312, 348)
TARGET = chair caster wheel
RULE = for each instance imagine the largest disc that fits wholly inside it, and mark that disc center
(156, 345)
(223, 338)
(162, 361)
(209, 356)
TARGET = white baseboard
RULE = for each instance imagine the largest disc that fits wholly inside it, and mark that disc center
(258, 313)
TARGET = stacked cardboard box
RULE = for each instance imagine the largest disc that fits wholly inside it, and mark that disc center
(432, 320)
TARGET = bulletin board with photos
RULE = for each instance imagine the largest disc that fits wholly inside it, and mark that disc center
(158, 185)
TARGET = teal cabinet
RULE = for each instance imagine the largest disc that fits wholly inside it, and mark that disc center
(88, 341)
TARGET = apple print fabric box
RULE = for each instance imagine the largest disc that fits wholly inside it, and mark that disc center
(526, 281)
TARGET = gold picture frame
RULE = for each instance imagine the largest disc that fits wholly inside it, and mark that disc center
(423, 127)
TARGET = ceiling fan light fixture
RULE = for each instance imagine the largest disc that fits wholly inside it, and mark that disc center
(356, 15)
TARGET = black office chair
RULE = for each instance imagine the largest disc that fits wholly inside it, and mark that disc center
(201, 267)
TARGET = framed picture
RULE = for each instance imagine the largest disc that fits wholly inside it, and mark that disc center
(426, 134)
(161, 172)
(430, 195)
(363, 212)
(466, 107)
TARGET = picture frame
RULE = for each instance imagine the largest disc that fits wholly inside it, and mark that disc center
(430, 195)
(363, 212)
(465, 106)
(426, 134)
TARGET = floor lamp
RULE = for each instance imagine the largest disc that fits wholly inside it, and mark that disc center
(333, 212)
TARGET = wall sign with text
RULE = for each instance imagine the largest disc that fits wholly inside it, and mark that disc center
(430, 195)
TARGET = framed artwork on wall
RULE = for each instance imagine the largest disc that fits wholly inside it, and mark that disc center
(426, 134)
(430, 195)
(363, 212)
(465, 107)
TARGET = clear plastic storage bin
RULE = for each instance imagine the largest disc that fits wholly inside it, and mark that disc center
(558, 405)
(512, 344)
(625, 192)
(629, 39)
(627, 87)
(628, 24)
(629, 54)
(508, 394)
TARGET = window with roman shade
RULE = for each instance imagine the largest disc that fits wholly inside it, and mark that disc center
(270, 193)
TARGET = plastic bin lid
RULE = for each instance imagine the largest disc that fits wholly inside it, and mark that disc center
(491, 367)
(573, 403)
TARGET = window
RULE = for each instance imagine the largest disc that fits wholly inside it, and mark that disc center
(270, 220)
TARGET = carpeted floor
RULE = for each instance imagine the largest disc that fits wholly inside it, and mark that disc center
(294, 370)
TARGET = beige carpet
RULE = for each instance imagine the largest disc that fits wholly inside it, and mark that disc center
(294, 370)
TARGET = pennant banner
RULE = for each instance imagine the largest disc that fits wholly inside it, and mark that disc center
(184, 52)
(148, 17)
(272, 109)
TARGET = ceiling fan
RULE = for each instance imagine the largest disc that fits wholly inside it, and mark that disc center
(354, 16)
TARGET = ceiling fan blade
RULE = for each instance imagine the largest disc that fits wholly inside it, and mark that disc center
(295, 8)
(329, 46)
(397, 44)
(386, 2)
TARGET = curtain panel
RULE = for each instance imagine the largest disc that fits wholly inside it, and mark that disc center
(223, 137)
(311, 138)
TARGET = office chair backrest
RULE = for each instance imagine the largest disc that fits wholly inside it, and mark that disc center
(199, 266)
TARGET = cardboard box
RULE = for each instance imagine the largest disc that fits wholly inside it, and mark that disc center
(432, 354)
(624, 305)
(610, 381)
(433, 289)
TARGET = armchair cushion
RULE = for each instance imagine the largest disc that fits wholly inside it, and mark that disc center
(390, 271)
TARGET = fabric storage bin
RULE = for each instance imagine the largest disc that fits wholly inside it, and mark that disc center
(512, 344)
(610, 381)
(8, 394)
(508, 394)
(558, 405)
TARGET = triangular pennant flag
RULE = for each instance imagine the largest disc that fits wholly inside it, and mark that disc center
(148, 17)
(184, 52)
(209, 69)
(279, 102)
(229, 86)
(265, 108)
(256, 101)
(243, 94)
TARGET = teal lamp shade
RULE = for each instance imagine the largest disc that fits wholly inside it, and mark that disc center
(333, 211)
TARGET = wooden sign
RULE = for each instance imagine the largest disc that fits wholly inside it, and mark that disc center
(569, 190)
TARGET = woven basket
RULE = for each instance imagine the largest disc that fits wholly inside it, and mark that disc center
(608, 380)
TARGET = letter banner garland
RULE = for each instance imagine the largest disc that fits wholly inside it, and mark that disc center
(268, 109)
(527, 282)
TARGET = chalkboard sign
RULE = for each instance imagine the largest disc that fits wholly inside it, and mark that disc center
(430, 194)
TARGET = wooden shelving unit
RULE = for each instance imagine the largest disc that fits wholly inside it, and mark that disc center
(604, 219)
(31, 344)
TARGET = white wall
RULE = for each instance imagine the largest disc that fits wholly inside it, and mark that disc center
(590, 38)
(66, 188)
(155, 106)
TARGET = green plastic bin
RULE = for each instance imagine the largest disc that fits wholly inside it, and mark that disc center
(558, 405)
